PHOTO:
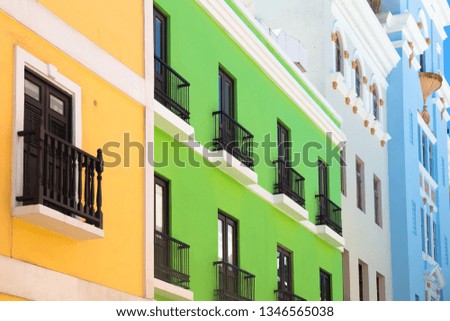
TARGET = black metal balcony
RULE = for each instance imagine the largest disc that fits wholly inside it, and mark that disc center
(283, 295)
(329, 214)
(171, 260)
(289, 182)
(171, 89)
(233, 283)
(232, 137)
(61, 176)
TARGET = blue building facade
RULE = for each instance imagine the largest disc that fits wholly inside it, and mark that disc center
(418, 150)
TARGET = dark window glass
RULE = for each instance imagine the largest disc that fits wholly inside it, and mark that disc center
(360, 185)
(325, 286)
(377, 200)
(284, 271)
(161, 205)
(227, 251)
(339, 55)
(375, 104)
(160, 34)
(323, 178)
(358, 87)
(226, 94)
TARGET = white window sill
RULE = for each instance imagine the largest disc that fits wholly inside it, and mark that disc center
(172, 124)
(172, 292)
(57, 222)
(330, 236)
(233, 167)
(291, 208)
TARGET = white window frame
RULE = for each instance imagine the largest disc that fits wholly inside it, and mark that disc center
(48, 72)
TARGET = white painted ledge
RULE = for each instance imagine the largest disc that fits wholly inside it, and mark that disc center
(233, 167)
(57, 222)
(289, 207)
(171, 123)
(172, 292)
(31, 282)
(330, 236)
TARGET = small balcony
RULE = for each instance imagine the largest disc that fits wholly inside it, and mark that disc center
(62, 179)
(283, 295)
(232, 137)
(329, 214)
(171, 260)
(289, 182)
(233, 283)
(171, 89)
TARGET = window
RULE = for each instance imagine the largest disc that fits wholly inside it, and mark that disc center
(375, 103)
(339, 54)
(343, 172)
(363, 281)
(434, 252)
(424, 151)
(323, 178)
(430, 158)
(325, 286)
(227, 240)
(422, 63)
(360, 191)
(284, 273)
(422, 225)
(161, 205)
(160, 35)
(381, 288)
(283, 143)
(377, 200)
(358, 77)
(428, 229)
(51, 107)
(226, 94)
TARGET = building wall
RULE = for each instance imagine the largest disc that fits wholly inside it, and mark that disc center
(197, 193)
(107, 113)
(311, 23)
(408, 195)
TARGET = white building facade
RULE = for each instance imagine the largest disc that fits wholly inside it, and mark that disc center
(349, 57)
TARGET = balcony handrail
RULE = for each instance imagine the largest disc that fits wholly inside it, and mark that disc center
(222, 113)
(61, 182)
(181, 245)
(171, 260)
(287, 165)
(329, 201)
(290, 294)
(248, 274)
(186, 83)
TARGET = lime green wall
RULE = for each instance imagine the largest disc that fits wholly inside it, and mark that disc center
(197, 46)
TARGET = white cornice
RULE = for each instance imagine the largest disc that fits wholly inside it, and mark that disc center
(405, 24)
(244, 37)
(368, 33)
(439, 12)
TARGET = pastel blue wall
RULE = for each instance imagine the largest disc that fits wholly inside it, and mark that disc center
(404, 98)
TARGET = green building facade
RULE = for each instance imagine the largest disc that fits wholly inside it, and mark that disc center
(271, 224)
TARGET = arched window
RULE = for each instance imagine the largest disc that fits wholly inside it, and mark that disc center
(375, 103)
(339, 54)
(358, 78)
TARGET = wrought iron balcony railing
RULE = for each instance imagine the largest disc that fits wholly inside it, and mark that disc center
(233, 283)
(283, 295)
(61, 176)
(171, 89)
(289, 182)
(232, 137)
(171, 260)
(329, 214)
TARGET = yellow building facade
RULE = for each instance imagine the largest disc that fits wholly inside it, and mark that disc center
(78, 50)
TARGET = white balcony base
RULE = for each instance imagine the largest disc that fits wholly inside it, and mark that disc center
(292, 209)
(172, 124)
(233, 167)
(172, 292)
(330, 236)
(57, 222)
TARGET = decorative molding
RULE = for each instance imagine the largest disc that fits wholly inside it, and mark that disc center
(247, 40)
(346, 54)
(43, 22)
(16, 277)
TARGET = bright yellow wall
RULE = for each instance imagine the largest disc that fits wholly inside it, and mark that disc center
(117, 260)
(115, 25)
(6, 297)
